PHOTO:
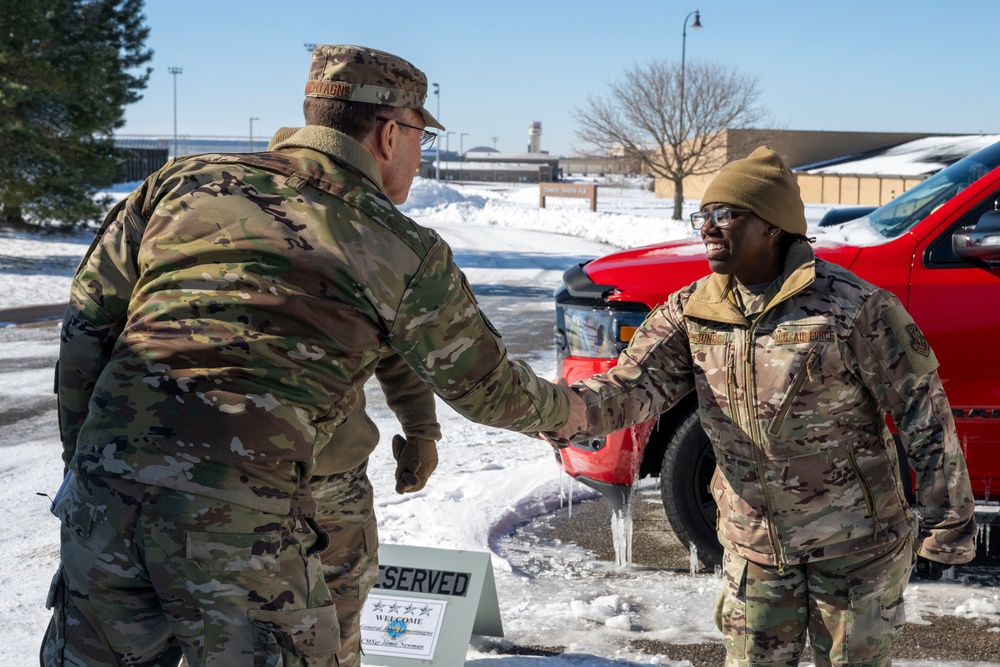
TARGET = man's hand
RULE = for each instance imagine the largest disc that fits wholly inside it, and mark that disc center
(576, 422)
(416, 459)
(929, 569)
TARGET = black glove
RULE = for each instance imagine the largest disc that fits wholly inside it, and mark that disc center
(416, 459)
(929, 569)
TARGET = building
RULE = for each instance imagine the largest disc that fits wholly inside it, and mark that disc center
(142, 154)
(608, 165)
(189, 144)
(489, 171)
(488, 164)
(841, 167)
(138, 158)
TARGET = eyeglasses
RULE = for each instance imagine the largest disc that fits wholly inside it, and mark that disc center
(426, 138)
(721, 217)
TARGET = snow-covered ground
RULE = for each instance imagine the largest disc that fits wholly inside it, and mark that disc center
(488, 481)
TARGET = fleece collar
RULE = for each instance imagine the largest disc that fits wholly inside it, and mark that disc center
(337, 145)
(713, 300)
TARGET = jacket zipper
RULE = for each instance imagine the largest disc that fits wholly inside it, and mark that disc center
(866, 491)
(734, 408)
(753, 427)
(793, 392)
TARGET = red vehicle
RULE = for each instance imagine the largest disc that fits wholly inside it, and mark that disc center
(937, 247)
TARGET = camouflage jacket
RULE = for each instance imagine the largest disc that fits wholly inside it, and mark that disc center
(409, 398)
(794, 404)
(229, 309)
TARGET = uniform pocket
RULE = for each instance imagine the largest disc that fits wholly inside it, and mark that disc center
(295, 638)
(233, 552)
(54, 641)
(74, 511)
(731, 611)
(876, 613)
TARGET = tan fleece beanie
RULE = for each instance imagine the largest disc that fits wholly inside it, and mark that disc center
(765, 185)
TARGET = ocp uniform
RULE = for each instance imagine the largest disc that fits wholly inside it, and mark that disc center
(196, 358)
(793, 401)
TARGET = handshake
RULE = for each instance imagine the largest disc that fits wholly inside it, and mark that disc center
(575, 423)
(417, 458)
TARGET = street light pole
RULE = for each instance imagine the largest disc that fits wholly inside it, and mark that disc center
(682, 132)
(175, 71)
(461, 142)
(494, 141)
(695, 26)
(437, 147)
(252, 119)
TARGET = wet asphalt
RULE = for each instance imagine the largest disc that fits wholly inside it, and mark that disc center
(944, 638)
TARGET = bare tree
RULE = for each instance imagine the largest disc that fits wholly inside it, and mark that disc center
(640, 116)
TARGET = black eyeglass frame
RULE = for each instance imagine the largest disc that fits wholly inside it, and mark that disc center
(720, 217)
(426, 137)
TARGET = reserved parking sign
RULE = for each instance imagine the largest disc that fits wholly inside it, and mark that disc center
(426, 604)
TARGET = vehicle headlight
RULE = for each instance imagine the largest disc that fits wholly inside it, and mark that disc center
(600, 333)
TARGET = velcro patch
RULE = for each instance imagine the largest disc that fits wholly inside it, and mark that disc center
(334, 89)
(917, 349)
(796, 337)
(917, 340)
(706, 338)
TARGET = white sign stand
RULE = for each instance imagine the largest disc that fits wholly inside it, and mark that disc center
(426, 605)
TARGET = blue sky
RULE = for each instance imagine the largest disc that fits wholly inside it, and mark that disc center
(913, 66)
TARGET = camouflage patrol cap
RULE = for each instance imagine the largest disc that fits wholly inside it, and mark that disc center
(361, 74)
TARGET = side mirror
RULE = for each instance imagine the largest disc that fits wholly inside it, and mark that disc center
(980, 241)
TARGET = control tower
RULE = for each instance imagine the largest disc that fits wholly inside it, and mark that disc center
(535, 137)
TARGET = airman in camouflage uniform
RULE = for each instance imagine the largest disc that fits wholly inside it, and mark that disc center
(343, 493)
(795, 363)
(219, 330)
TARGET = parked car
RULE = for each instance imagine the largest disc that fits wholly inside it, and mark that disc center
(842, 214)
(937, 247)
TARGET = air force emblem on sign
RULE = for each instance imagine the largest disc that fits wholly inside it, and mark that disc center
(396, 630)
(917, 341)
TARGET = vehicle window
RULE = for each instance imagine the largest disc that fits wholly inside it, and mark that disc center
(907, 210)
(939, 254)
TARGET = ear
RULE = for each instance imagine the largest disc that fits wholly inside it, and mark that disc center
(385, 140)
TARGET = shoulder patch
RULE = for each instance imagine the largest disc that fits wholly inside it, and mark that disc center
(917, 341)
(912, 340)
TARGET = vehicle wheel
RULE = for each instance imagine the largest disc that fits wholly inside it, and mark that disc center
(685, 486)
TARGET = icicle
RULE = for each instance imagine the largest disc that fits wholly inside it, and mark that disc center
(562, 489)
(563, 477)
(621, 534)
(693, 560)
(569, 504)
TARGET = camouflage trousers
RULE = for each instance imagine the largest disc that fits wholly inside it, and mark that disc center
(851, 607)
(346, 512)
(147, 573)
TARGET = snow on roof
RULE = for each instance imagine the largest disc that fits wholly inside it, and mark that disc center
(491, 166)
(914, 158)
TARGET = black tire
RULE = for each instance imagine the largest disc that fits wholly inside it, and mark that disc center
(685, 487)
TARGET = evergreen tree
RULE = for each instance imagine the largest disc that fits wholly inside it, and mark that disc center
(68, 68)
